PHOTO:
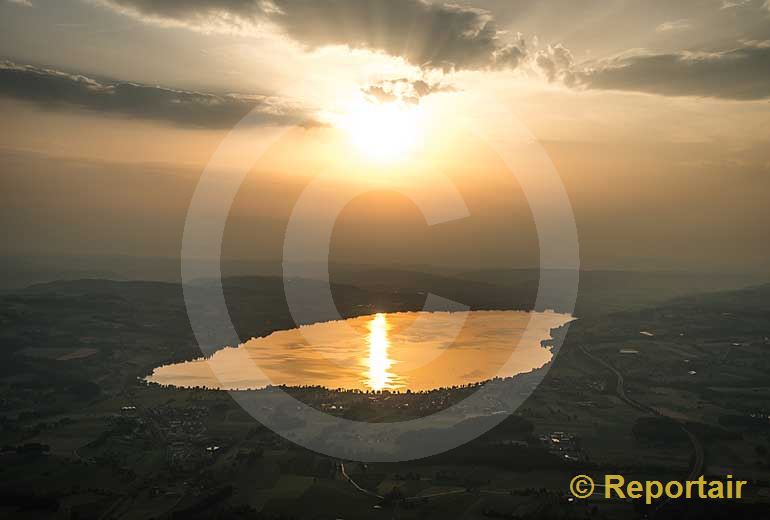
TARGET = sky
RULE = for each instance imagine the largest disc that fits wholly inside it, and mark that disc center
(654, 113)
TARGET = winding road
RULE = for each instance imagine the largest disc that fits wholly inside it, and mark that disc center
(355, 484)
(697, 446)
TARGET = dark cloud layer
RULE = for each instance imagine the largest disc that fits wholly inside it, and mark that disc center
(53, 88)
(449, 36)
(738, 74)
(424, 33)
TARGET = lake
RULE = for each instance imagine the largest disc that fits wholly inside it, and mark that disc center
(394, 351)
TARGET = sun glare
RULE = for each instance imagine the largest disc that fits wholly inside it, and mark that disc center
(378, 375)
(382, 132)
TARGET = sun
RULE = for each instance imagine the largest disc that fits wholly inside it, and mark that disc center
(382, 132)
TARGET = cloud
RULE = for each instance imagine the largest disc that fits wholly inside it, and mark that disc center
(738, 74)
(204, 15)
(758, 44)
(729, 4)
(52, 88)
(405, 90)
(447, 36)
(426, 34)
(675, 25)
(557, 64)
(429, 35)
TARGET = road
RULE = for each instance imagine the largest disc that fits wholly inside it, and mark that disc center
(418, 498)
(697, 447)
(355, 484)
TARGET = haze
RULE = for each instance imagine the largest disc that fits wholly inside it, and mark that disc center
(654, 114)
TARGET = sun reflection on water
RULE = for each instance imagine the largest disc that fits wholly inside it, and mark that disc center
(382, 352)
(378, 364)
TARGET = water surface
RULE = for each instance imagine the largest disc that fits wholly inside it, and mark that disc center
(395, 351)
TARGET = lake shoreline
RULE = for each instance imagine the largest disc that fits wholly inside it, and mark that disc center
(496, 328)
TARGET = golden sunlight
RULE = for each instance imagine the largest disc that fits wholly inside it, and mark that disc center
(382, 132)
(378, 375)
